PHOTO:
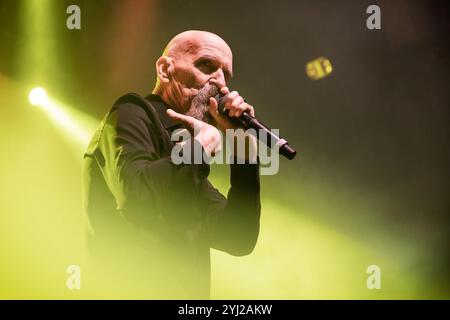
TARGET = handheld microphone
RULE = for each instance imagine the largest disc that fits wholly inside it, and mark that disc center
(249, 122)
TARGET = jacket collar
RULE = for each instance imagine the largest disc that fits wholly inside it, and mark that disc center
(161, 107)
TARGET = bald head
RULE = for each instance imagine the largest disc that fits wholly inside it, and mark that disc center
(190, 41)
(190, 61)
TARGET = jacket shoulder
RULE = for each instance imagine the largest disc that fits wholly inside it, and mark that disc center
(123, 101)
(131, 97)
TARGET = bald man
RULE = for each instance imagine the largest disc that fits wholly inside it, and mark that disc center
(151, 223)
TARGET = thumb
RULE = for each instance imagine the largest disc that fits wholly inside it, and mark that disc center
(213, 108)
(214, 111)
(186, 121)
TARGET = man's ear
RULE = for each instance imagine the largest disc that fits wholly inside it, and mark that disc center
(164, 68)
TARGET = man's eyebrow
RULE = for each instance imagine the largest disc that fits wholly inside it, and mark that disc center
(208, 56)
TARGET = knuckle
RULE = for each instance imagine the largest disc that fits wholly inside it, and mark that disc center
(238, 102)
(232, 95)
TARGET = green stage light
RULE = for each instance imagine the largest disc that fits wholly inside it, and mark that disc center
(74, 124)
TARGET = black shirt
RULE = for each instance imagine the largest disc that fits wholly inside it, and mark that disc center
(151, 223)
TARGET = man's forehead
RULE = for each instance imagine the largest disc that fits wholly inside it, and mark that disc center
(213, 54)
(214, 43)
(198, 42)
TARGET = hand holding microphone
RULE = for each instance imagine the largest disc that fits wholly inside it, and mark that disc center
(231, 112)
(234, 105)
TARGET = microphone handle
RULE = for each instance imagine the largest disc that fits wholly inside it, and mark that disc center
(247, 121)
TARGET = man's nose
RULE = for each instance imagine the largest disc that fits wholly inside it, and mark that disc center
(218, 79)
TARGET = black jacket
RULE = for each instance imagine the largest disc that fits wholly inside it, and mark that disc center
(151, 223)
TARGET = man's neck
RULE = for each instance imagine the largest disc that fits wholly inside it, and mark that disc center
(167, 98)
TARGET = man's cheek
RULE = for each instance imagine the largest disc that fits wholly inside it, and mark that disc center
(187, 77)
(198, 79)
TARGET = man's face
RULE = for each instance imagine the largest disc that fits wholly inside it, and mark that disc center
(198, 64)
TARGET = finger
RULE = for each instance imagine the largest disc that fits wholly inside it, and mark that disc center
(229, 99)
(237, 104)
(251, 110)
(213, 107)
(187, 121)
(214, 111)
(245, 107)
(225, 90)
(239, 112)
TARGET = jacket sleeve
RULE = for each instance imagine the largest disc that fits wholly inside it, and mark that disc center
(146, 184)
(233, 222)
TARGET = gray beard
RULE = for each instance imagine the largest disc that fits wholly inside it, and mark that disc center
(200, 104)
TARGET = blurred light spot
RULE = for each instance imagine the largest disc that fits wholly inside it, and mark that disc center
(38, 97)
(77, 126)
(319, 68)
